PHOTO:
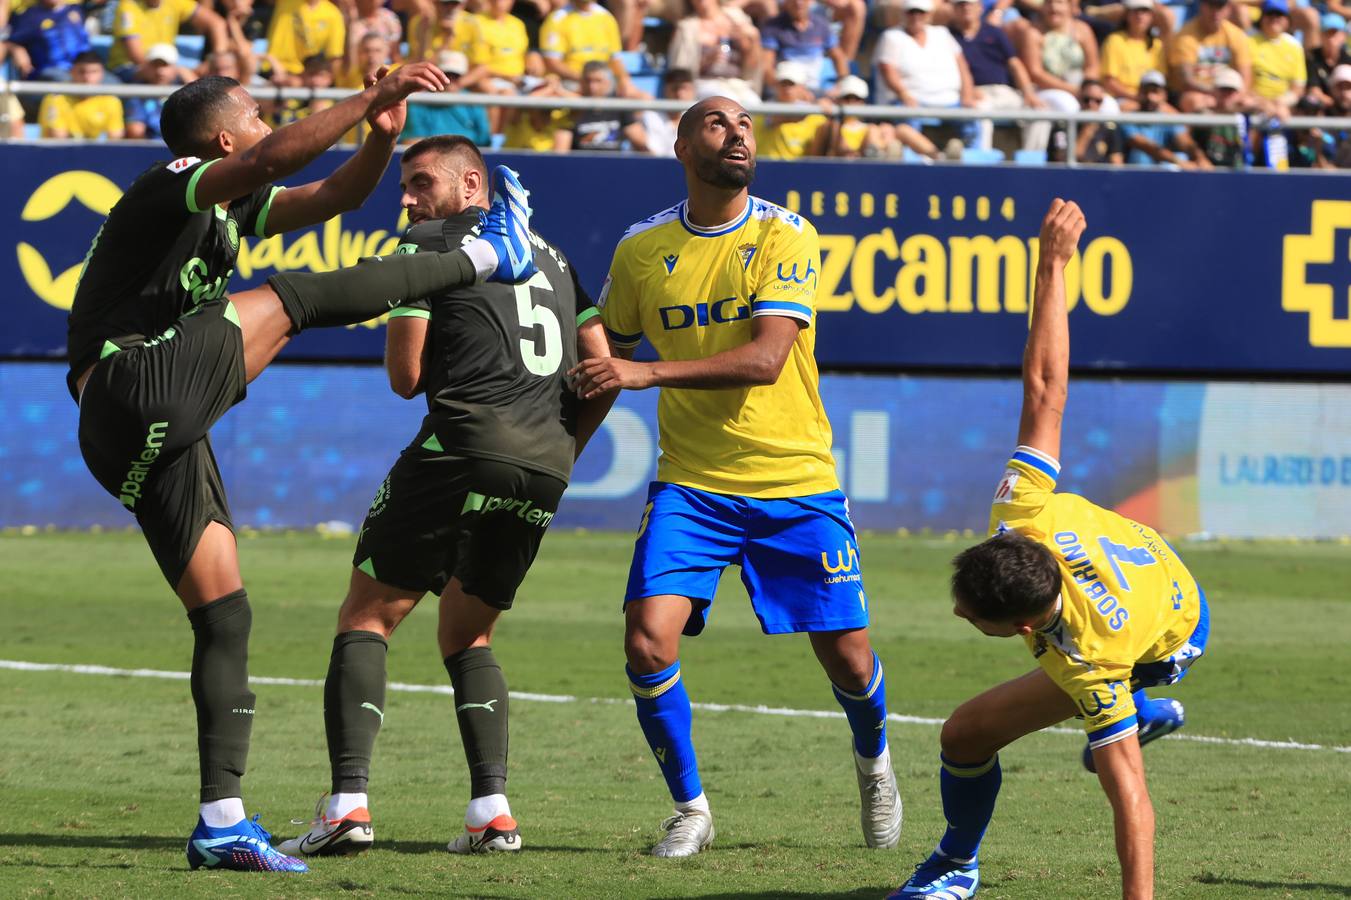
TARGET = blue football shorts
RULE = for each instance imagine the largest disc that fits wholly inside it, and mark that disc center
(1175, 668)
(799, 556)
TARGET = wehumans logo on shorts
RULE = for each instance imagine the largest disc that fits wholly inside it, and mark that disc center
(524, 509)
(843, 567)
(140, 467)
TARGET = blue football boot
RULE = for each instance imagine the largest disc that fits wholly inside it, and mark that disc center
(940, 878)
(241, 847)
(506, 226)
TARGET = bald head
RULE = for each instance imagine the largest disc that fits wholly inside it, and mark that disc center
(695, 115)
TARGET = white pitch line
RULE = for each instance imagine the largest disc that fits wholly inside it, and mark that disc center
(401, 687)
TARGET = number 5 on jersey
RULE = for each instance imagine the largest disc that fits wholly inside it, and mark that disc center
(542, 361)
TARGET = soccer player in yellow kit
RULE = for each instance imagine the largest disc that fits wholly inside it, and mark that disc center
(724, 286)
(1103, 602)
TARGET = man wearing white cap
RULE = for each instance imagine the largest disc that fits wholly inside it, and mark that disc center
(1160, 144)
(1227, 146)
(790, 137)
(160, 68)
(1336, 148)
(920, 64)
(848, 136)
(1330, 54)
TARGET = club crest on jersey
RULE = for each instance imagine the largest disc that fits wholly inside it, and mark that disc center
(747, 252)
(232, 234)
(669, 260)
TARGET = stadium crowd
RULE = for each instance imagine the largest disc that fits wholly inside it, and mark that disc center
(1260, 60)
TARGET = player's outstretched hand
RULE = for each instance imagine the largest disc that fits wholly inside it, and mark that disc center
(600, 375)
(392, 87)
(1060, 231)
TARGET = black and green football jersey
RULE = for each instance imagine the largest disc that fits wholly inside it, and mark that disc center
(157, 256)
(496, 372)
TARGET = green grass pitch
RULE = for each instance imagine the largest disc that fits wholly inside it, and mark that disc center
(98, 774)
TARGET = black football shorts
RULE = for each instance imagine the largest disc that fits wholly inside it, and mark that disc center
(440, 516)
(144, 417)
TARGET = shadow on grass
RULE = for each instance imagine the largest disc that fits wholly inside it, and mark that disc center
(95, 841)
(415, 847)
(1313, 887)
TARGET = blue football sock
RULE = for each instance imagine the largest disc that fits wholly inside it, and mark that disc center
(969, 793)
(664, 713)
(867, 713)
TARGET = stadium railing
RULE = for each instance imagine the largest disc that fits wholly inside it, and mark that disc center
(1072, 121)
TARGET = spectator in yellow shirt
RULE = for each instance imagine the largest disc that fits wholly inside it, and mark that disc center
(450, 30)
(141, 24)
(499, 56)
(534, 129)
(789, 137)
(86, 117)
(1131, 52)
(1205, 44)
(1278, 70)
(303, 30)
(577, 34)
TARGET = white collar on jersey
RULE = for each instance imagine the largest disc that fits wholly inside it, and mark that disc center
(714, 230)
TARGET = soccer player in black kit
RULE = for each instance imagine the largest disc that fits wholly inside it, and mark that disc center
(159, 351)
(464, 509)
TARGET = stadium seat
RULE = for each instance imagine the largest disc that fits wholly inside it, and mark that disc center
(910, 156)
(190, 49)
(1181, 13)
(828, 78)
(101, 44)
(496, 141)
(633, 61)
(32, 131)
(1029, 157)
(973, 156)
(650, 84)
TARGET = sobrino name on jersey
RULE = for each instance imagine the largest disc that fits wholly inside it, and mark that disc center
(1081, 568)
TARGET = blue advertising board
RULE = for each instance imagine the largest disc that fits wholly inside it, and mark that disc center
(922, 267)
(312, 443)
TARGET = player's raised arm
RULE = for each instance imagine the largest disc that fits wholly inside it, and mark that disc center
(1046, 360)
(289, 149)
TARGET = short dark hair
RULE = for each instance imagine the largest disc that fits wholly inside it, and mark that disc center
(191, 115)
(676, 76)
(1008, 578)
(88, 56)
(451, 145)
(1089, 83)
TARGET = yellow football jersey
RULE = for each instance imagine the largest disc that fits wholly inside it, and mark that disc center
(81, 117)
(424, 41)
(692, 292)
(579, 37)
(1125, 597)
(499, 44)
(788, 140)
(308, 30)
(153, 26)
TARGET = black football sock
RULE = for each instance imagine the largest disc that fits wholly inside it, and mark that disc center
(373, 286)
(354, 707)
(220, 690)
(481, 709)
